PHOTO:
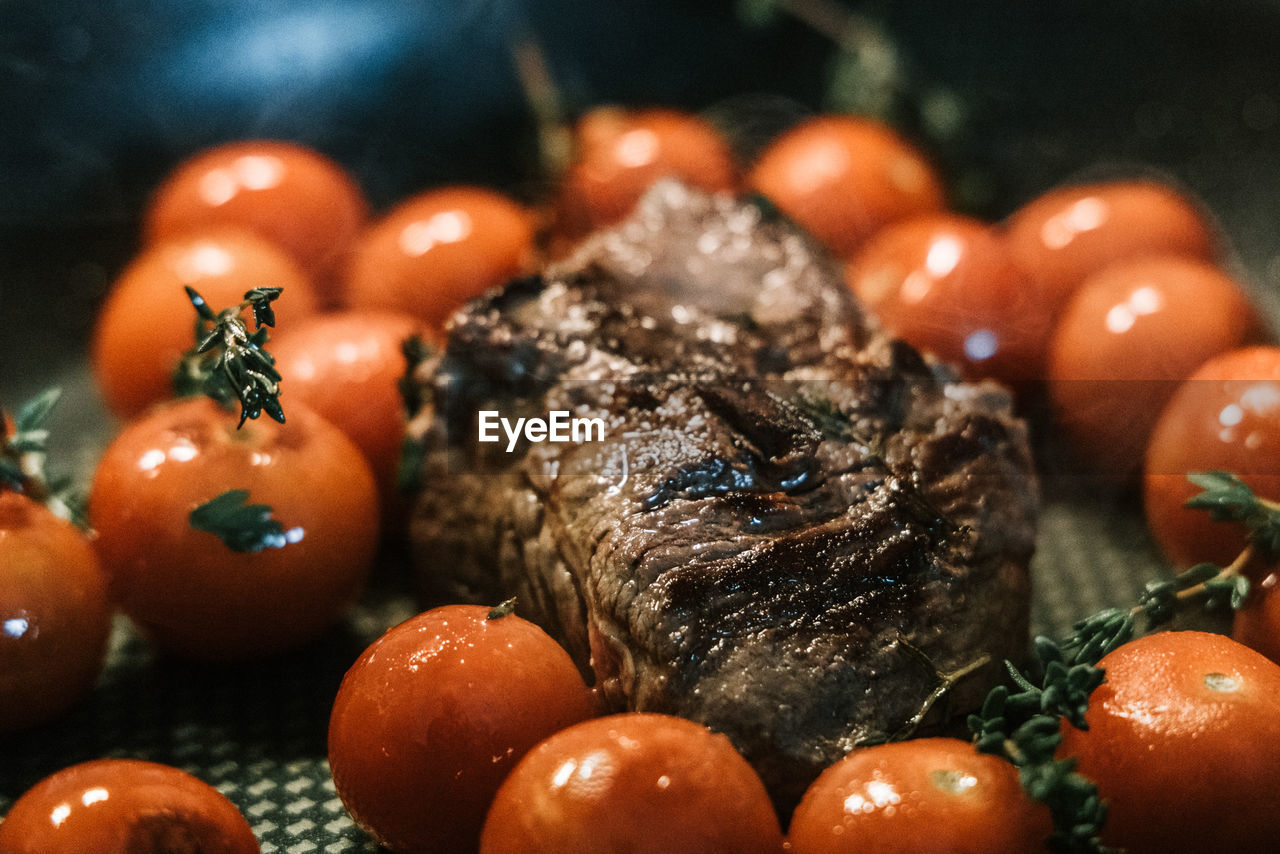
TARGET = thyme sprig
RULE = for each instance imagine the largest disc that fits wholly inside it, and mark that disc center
(228, 362)
(24, 454)
(1022, 724)
(242, 527)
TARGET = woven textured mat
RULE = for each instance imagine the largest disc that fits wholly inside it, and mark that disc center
(257, 732)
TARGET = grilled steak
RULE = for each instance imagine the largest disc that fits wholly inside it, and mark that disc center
(794, 525)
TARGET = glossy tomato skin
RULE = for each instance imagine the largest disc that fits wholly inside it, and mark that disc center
(186, 589)
(434, 251)
(633, 784)
(924, 796)
(347, 366)
(1257, 624)
(1126, 339)
(124, 806)
(619, 153)
(1183, 744)
(1225, 417)
(843, 178)
(1069, 233)
(945, 283)
(55, 616)
(291, 195)
(435, 713)
(147, 322)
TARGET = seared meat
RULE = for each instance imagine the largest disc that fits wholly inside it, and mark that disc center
(793, 524)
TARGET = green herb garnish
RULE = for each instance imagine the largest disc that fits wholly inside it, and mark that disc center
(24, 454)
(243, 527)
(228, 362)
(1022, 724)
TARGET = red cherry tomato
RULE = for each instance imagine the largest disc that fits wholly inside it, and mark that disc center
(945, 284)
(1069, 233)
(843, 178)
(347, 367)
(124, 806)
(1129, 335)
(620, 153)
(632, 784)
(437, 250)
(1226, 417)
(924, 796)
(147, 323)
(187, 589)
(1183, 744)
(436, 712)
(1257, 624)
(289, 194)
(54, 613)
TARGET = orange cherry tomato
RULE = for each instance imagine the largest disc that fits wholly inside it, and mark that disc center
(1225, 417)
(293, 196)
(1127, 337)
(436, 712)
(634, 783)
(186, 588)
(437, 250)
(1069, 233)
(843, 178)
(1183, 744)
(124, 806)
(147, 323)
(347, 366)
(925, 796)
(54, 613)
(945, 284)
(620, 153)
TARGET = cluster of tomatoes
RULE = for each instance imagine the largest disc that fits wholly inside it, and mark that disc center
(463, 729)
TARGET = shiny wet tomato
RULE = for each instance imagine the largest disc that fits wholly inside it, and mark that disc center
(347, 367)
(124, 806)
(1067, 234)
(619, 153)
(924, 796)
(842, 178)
(54, 613)
(633, 784)
(1183, 744)
(185, 588)
(945, 284)
(436, 250)
(147, 323)
(1257, 624)
(436, 712)
(289, 194)
(1128, 336)
(1226, 417)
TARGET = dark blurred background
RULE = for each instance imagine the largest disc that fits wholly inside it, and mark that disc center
(99, 98)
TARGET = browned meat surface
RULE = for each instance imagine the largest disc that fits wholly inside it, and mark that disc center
(792, 524)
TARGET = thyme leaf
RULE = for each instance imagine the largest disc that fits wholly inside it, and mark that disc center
(23, 458)
(229, 363)
(242, 527)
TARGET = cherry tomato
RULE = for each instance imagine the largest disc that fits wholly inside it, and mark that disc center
(147, 323)
(1225, 417)
(436, 712)
(1183, 744)
(186, 588)
(918, 797)
(1128, 336)
(945, 284)
(634, 783)
(843, 178)
(54, 613)
(1257, 624)
(347, 367)
(620, 153)
(124, 806)
(289, 194)
(1069, 233)
(437, 250)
